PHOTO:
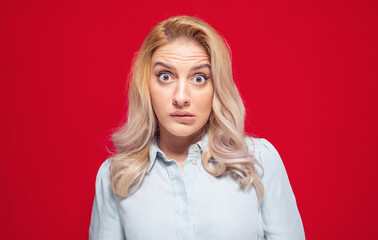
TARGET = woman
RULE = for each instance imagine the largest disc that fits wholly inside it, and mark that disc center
(183, 168)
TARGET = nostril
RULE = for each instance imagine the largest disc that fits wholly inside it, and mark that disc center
(183, 102)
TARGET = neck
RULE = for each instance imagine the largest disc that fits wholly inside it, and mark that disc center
(176, 147)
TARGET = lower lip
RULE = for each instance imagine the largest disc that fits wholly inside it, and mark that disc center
(184, 118)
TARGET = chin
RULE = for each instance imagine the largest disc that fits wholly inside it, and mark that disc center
(184, 131)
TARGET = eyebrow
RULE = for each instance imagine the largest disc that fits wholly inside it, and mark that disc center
(172, 68)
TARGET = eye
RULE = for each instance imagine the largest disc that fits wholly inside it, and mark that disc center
(164, 76)
(200, 79)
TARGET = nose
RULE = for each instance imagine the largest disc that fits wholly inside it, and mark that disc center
(181, 96)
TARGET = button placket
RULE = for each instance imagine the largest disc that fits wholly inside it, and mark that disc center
(182, 186)
(182, 204)
(195, 148)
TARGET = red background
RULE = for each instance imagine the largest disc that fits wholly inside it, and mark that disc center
(306, 69)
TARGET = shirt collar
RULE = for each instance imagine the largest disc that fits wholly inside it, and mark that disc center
(155, 151)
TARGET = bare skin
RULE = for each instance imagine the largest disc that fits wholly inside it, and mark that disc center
(176, 149)
(181, 91)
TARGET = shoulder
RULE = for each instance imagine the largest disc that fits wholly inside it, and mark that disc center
(103, 181)
(261, 148)
(279, 211)
(103, 173)
(265, 153)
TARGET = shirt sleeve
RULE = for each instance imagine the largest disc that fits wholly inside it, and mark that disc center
(281, 218)
(105, 221)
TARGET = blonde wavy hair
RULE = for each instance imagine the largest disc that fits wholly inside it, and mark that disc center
(227, 150)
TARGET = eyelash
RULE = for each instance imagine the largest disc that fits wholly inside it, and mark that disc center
(170, 74)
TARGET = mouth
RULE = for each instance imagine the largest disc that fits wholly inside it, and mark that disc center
(183, 116)
(179, 115)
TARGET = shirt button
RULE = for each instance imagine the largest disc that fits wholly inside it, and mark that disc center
(194, 161)
(195, 148)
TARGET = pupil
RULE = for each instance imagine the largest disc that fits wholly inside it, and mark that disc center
(198, 79)
(165, 77)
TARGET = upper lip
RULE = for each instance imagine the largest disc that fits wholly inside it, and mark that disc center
(182, 114)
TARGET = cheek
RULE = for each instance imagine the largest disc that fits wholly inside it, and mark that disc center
(159, 98)
(162, 97)
(204, 101)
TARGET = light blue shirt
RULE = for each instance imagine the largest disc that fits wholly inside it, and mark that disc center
(194, 205)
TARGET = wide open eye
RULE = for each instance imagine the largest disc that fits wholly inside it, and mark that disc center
(164, 76)
(200, 79)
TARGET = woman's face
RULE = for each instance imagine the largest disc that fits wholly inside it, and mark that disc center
(181, 87)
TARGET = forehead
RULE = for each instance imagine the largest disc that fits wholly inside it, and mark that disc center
(181, 51)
